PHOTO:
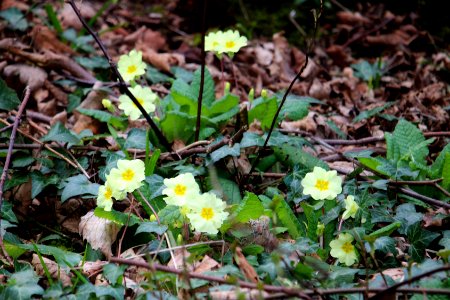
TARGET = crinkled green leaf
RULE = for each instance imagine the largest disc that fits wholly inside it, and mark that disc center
(287, 217)
(263, 110)
(104, 116)
(208, 87)
(250, 208)
(79, 185)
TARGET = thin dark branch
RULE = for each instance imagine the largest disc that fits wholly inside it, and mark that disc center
(297, 76)
(202, 75)
(423, 198)
(8, 159)
(123, 86)
(396, 286)
(244, 284)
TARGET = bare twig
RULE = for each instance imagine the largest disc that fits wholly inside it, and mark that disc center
(123, 86)
(158, 267)
(423, 198)
(8, 160)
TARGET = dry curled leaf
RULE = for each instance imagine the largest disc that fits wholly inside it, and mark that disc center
(53, 268)
(34, 77)
(99, 232)
(245, 267)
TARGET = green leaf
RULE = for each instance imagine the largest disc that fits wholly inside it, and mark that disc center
(61, 256)
(371, 112)
(384, 231)
(5, 225)
(171, 215)
(286, 216)
(228, 102)
(231, 192)
(16, 19)
(224, 151)
(419, 239)
(103, 116)
(385, 244)
(312, 216)
(436, 168)
(9, 97)
(79, 185)
(253, 249)
(22, 285)
(94, 62)
(150, 227)
(39, 181)
(114, 273)
(208, 87)
(250, 208)
(156, 76)
(136, 138)
(117, 217)
(406, 137)
(183, 94)
(263, 110)
(446, 172)
(292, 156)
(406, 214)
(21, 162)
(177, 125)
(59, 133)
(13, 250)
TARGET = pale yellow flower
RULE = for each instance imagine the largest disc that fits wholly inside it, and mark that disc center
(351, 208)
(321, 184)
(207, 213)
(213, 41)
(144, 96)
(105, 194)
(128, 175)
(181, 190)
(231, 42)
(130, 66)
(344, 250)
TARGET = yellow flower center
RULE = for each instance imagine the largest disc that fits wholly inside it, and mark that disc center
(207, 213)
(128, 175)
(180, 190)
(131, 69)
(322, 185)
(347, 247)
(230, 44)
(108, 193)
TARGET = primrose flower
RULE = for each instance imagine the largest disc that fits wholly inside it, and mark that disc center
(181, 190)
(321, 184)
(343, 250)
(213, 41)
(144, 96)
(128, 175)
(207, 213)
(130, 66)
(351, 208)
(231, 42)
(105, 194)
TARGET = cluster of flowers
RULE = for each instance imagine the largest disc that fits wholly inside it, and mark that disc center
(326, 185)
(130, 67)
(126, 178)
(225, 42)
(204, 211)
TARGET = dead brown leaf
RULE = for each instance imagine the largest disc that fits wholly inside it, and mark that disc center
(34, 77)
(161, 61)
(245, 267)
(45, 39)
(68, 17)
(92, 101)
(53, 268)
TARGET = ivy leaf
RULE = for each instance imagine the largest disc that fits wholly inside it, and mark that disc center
(406, 214)
(226, 151)
(137, 138)
(151, 227)
(16, 19)
(9, 97)
(62, 257)
(79, 185)
(385, 244)
(114, 273)
(39, 181)
(7, 212)
(114, 292)
(250, 208)
(419, 239)
(59, 133)
(287, 217)
(22, 285)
